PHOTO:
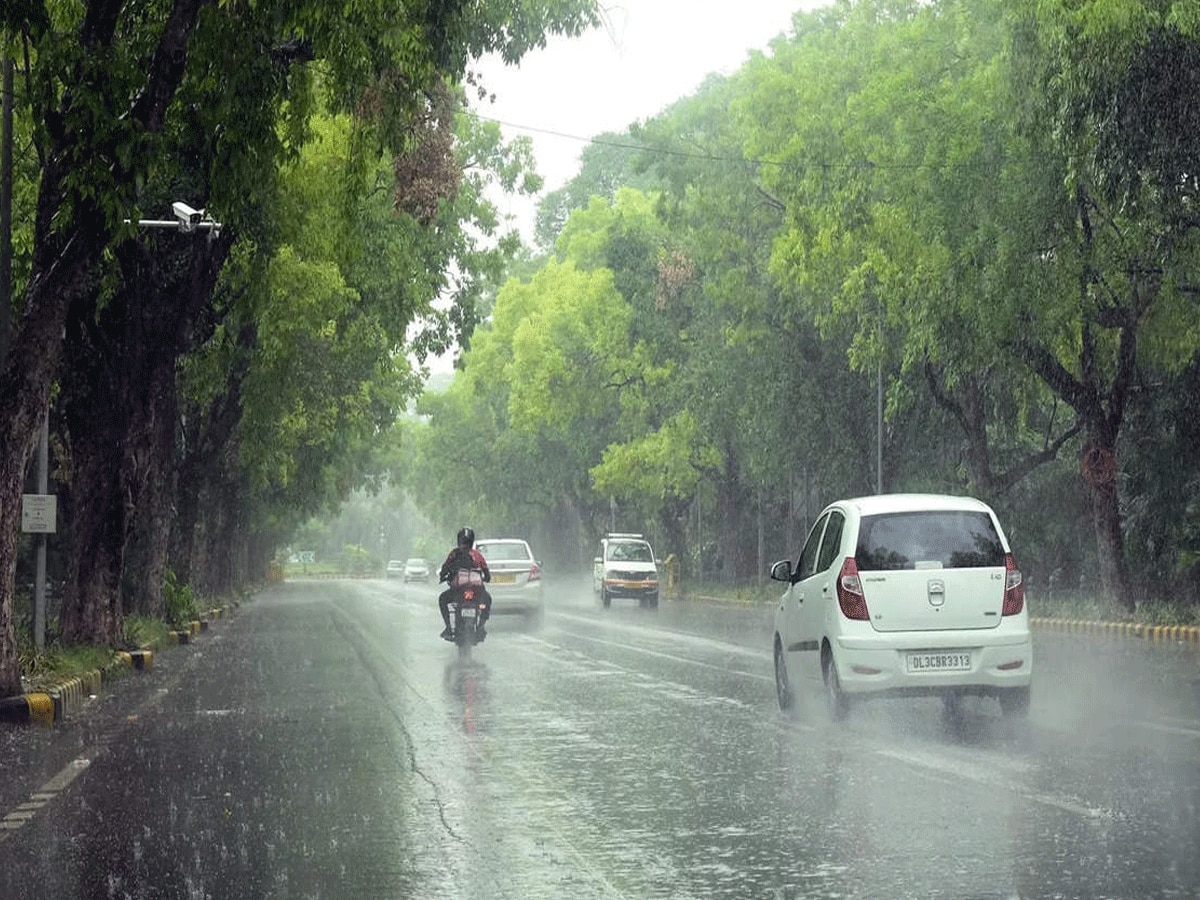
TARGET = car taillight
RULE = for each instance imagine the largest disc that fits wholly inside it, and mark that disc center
(1014, 587)
(535, 574)
(850, 591)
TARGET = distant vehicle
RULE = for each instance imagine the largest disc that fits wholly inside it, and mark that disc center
(516, 585)
(625, 567)
(900, 595)
(417, 570)
(395, 569)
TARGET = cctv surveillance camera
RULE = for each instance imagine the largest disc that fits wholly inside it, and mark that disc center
(188, 218)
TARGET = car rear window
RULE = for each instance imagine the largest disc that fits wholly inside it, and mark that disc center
(928, 539)
(501, 552)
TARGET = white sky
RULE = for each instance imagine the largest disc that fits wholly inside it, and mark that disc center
(650, 54)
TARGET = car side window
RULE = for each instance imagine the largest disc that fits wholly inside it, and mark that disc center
(832, 541)
(806, 565)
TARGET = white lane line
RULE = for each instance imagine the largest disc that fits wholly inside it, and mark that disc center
(676, 636)
(43, 795)
(1183, 730)
(939, 767)
(662, 655)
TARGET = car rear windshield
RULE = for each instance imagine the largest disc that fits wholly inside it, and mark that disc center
(928, 539)
(495, 552)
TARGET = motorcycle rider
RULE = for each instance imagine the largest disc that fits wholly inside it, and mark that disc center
(464, 558)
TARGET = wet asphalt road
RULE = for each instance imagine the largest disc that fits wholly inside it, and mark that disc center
(324, 743)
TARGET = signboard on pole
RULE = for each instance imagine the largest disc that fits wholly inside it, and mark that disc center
(39, 513)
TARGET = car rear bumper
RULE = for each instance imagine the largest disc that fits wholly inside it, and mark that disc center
(514, 602)
(998, 661)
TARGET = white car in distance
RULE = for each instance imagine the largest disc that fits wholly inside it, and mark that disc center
(904, 595)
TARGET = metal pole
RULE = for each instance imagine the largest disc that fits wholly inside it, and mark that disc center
(39, 588)
(879, 427)
(6, 182)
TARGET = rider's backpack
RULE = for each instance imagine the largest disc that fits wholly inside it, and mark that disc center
(462, 569)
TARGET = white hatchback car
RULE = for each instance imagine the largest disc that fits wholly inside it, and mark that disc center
(904, 594)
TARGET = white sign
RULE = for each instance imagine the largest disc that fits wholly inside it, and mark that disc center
(308, 556)
(39, 513)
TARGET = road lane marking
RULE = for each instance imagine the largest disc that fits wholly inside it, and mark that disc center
(25, 812)
(663, 655)
(1184, 730)
(934, 765)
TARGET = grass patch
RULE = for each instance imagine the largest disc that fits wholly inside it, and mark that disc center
(57, 662)
(141, 631)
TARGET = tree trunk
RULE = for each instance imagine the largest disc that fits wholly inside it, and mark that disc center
(96, 510)
(61, 273)
(1098, 466)
(734, 537)
(147, 550)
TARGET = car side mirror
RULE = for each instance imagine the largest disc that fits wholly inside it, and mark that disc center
(596, 561)
(782, 570)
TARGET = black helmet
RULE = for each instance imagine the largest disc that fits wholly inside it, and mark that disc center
(466, 536)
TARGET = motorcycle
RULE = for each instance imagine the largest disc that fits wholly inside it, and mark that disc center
(468, 609)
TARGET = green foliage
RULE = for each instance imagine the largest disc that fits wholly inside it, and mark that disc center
(358, 561)
(180, 603)
(140, 631)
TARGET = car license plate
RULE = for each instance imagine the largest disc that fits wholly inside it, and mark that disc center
(504, 579)
(940, 661)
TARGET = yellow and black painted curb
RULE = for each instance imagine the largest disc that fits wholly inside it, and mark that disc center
(55, 702)
(35, 708)
(1189, 634)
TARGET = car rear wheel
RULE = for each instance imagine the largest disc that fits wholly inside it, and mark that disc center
(836, 700)
(783, 689)
(1014, 702)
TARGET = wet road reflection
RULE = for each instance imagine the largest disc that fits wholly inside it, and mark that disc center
(327, 744)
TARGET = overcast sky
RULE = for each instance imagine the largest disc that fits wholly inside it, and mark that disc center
(650, 54)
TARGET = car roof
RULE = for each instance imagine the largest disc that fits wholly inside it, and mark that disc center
(501, 541)
(889, 503)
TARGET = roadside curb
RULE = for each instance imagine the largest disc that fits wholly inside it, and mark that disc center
(56, 702)
(1188, 634)
(1160, 633)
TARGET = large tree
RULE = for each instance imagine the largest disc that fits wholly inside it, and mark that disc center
(104, 85)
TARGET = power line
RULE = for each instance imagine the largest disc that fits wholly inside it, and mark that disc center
(865, 164)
